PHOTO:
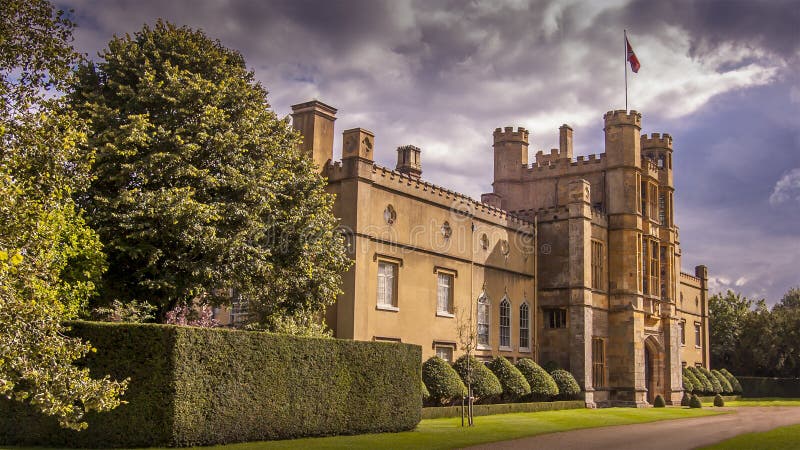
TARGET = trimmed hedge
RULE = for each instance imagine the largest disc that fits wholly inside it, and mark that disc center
(707, 387)
(659, 402)
(442, 381)
(568, 388)
(543, 387)
(737, 387)
(685, 399)
(201, 386)
(727, 389)
(718, 401)
(697, 385)
(687, 384)
(694, 402)
(716, 386)
(485, 384)
(501, 408)
(514, 384)
(770, 387)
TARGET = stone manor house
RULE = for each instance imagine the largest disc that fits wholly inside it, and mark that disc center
(571, 260)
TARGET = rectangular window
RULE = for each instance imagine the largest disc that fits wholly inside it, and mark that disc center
(238, 309)
(682, 331)
(654, 268)
(555, 318)
(645, 273)
(638, 193)
(524, 328)
(445, 352)
(599, 362)
(505, 325)
(664, 265)
(662, 209)
(639, 264)
(698, 337)
(643, 190)
(597, 265)
(483, 322)
(387, 285)
(652, 198)
(444, 294)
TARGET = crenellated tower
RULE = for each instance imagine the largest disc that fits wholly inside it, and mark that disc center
(510, 153)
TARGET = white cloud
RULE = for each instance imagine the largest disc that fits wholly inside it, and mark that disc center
(787, 189)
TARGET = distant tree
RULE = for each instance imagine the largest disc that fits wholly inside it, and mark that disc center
(49, 258)
(728, 315)
(791, 299)
(197, 188)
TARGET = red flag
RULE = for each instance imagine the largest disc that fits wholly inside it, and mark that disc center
(632, 58)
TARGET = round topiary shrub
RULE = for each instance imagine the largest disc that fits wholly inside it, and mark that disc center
(719, 401)
(686, 399)
(694, 402)
(737, 387)
(697, 385)
(485, 384)
(687, 384)
(716, 388)
(707, 387)
(567, 386)
(659, 402)
(727, 389)
(442, 381)
(543, 387)
(515, 386)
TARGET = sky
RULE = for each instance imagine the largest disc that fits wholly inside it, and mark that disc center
(722, 77)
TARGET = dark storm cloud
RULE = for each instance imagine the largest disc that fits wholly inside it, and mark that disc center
(720, 76)
(768, 24)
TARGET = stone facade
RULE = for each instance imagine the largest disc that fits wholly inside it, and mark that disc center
(575, 261)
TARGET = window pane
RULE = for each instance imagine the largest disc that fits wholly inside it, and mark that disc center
(483, 322)
(524, 326)
(505, 324)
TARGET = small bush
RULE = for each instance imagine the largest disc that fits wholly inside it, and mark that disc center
(716, 388)
(707, 387)
(719, 402)
(515, 386)
(686, 399)
(737, 387)
(485, 384)
(727, 389)
(567, 386)
(694, 402)
(442, 381)
(659, 402)
(697, 385)
(550, 366)
(543, 387)
(425, 394)
(687, 384)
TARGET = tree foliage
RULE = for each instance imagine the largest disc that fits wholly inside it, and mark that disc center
(49, 259)
(198, 188)
(751, 339)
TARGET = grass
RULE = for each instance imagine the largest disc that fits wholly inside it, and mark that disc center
(447, 433)
(777, 439)
(769, 401)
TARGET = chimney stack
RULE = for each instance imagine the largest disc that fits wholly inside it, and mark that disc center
(314, 120)
(565, 141)
(408, 161)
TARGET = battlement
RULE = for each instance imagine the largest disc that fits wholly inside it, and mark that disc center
(508, 134)
(657, 140)
(551, 161)
(430, 192)
(622, 117)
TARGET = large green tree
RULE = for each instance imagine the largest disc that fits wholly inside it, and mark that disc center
(49, 258)
(198, 188)
(728, 316)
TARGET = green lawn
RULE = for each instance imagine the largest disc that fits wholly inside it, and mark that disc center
(447, 433)
(777, 439)
(771, 401)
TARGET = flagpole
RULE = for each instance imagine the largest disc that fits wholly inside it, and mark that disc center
(625, 65)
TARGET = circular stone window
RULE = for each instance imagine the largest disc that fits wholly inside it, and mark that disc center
(389, 214)
(484, 241)
(504, 248)
(446, 230)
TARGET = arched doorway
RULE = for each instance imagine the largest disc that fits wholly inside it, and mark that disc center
(653, 368)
